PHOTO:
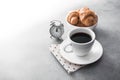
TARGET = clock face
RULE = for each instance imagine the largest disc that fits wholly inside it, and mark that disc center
(56, 32)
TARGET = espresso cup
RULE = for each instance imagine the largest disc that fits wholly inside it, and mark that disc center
(81, 41)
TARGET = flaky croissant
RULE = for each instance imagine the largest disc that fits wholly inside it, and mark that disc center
(73, 18)
(80, 24)
(83, 17)
(87, 17)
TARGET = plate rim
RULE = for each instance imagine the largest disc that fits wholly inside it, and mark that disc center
(83, 63)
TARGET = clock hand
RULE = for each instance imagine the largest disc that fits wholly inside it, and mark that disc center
(56, 29)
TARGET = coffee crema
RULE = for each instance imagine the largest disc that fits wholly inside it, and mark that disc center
(81, 37)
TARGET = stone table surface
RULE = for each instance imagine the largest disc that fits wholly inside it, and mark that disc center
(24, 39)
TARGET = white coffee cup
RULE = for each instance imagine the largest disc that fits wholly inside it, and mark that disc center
(80, 49)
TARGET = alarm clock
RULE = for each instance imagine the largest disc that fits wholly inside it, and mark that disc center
(56, 29)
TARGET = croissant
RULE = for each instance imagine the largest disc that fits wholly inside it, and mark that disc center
(80, 24)
(73, 18)
(83, 17)
(88, 17)
(83, 9)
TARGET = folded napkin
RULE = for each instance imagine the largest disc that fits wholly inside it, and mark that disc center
(68, 66)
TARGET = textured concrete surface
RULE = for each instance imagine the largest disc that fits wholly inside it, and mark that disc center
(24, 40)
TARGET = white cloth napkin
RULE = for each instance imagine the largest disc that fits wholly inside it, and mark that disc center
(68, 66)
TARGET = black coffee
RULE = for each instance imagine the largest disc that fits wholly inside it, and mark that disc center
(81, 37)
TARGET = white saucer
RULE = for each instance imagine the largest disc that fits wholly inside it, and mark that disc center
(95, 54)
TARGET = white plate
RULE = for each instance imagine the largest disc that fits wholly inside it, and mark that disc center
(94, 54)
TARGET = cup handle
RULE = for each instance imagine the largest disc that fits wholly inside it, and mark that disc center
(68, 51)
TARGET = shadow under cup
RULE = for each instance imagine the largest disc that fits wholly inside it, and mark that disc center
(81, 49)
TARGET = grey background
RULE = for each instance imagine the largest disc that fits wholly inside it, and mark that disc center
(24, 40)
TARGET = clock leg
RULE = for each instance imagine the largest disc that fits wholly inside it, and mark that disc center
(60, 39)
